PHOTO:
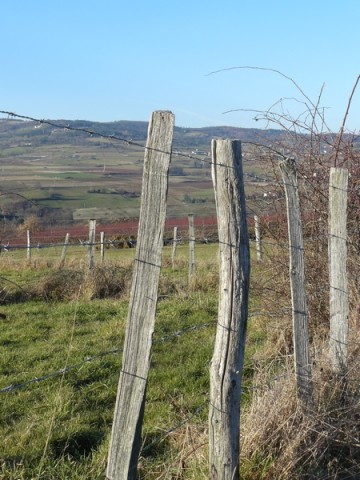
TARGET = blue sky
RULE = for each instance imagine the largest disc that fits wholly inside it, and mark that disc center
(120, 60)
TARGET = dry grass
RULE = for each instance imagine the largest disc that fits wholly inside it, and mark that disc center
(110, 281)
(280, 441)
(185, 457)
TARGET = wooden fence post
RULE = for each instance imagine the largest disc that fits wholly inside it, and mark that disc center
(258, 238)
(191, 246)
(130, 402)
(339, 300)
(102, 246)
(92, 230)
(228, 358)
(63, 253)
(297, 284)
(28, 245)
(175, 240)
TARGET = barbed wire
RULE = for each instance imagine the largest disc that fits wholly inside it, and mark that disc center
(91, 358)
(115, 351)
(160, 438)
(131, 142)
(123, 245)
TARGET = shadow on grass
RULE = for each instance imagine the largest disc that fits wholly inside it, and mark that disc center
(154, 447)
(78, 445)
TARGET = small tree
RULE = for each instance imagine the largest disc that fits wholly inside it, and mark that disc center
(31, 223)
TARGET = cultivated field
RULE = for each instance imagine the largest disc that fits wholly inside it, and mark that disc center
(70, 175)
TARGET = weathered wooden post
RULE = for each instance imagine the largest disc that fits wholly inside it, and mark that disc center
(174, 245)
(258, 238)
(92, 230)
(228, 358)
(28, 245)
(64, 250)
(130, 402)
(191, 246)
(339, 297)
(297, 284)
(102, 246)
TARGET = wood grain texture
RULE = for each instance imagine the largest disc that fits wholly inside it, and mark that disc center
(126, 432)
(339, 297)
(228, 357)
(302, 359)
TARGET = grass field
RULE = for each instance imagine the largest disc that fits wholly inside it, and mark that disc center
(59, 427)
(61, 340)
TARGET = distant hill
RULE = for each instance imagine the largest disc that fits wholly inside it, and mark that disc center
(15, 131)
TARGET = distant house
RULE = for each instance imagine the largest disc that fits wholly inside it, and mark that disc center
(198, 152)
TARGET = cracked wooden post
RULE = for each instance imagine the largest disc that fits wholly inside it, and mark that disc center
(302, 358)
(228, 358)
(130, 402)
(339, 296)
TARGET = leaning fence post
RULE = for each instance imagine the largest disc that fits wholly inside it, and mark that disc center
(102, 246)
(28, 245)
(258, 238)
(92, 229)
(297, 284)
(191, 246)
(228, 358)
(175, 240)
(130, 401)
(63, 254)
(339, 299)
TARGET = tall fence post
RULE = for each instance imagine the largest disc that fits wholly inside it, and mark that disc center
(130, 402)
(297, 284)
(92, 230)
(102, 246)
(258, 238)
(28, 245)
(228, 358)
(175, 240)
(64, 250)
(339, 299)
(191, 246)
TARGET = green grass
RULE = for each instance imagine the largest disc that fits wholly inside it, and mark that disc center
(59, 428)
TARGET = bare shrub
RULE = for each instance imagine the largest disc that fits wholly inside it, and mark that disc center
(102, 282)
(107, 282)
(11, 292)
(58, 285)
